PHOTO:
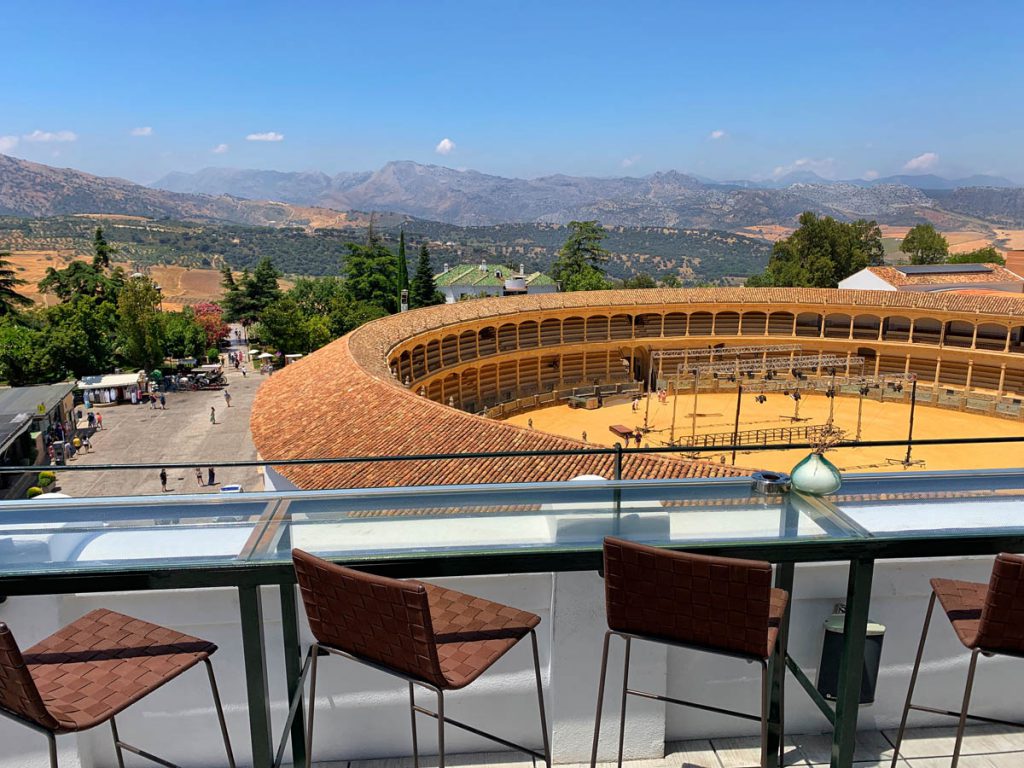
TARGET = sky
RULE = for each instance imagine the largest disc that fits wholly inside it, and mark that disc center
(728, 90)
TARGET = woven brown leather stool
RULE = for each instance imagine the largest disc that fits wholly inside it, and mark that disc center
(436, 638)
(91, 670)
(989, 620)
(712, 604)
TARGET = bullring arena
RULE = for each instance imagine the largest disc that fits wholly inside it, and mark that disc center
(535, 373)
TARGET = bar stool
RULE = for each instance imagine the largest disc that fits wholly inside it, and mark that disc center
(989, 620)
(431, 637)
(91, 670)
(711, 604)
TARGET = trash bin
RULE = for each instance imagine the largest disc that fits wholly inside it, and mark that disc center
(831, 652)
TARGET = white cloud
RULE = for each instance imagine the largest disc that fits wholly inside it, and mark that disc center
(922, 162)
(7, 143)
(220, 149)
(268, 136)
(145, 130)
(44, 136)
(870, 175)
(445, 146)
(717, 134)
(629, 162)
(824, 166)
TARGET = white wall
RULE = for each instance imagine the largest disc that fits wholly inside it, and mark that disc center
(866, 280)
(361, 713)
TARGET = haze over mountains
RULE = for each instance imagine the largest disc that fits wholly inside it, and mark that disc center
(669, 198)
(470, 198)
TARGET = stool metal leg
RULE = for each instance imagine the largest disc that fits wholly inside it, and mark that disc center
(625, 698)
(220, 714)
(765, 706)
(312, 705)
(51, 742)
(913, 681)
(600, 698)
(963, 709)
(117, 743)
(540, 700)
(415, 741)
(440, 728)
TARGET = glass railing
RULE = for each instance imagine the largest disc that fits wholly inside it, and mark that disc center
(85, 535)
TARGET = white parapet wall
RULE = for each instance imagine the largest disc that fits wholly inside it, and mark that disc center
(362, 713)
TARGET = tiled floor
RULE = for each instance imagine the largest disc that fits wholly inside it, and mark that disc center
(984, 747)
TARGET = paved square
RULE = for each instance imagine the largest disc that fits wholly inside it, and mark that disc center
(135, 434)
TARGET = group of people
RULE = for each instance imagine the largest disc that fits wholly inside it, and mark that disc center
(236, 359)
(211, 478)
(68, 437)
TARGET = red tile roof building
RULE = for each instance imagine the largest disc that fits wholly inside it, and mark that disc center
(389, 387)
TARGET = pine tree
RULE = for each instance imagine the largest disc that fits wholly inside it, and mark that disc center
(423, 292)
(10, 299)
(403, 267)
(101, 250)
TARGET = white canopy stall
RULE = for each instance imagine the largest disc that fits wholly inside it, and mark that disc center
(113, 388)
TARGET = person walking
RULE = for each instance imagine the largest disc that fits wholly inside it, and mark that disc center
(243, 370)
(163, 480)
(99, 420)
(163, 402)
(211, 477)
(227, 398)
(199, 477)
(213, 415)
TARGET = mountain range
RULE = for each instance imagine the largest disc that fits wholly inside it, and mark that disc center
(469, 198)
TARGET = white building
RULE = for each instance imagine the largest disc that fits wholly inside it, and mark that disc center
(930, 278)
(483, 279)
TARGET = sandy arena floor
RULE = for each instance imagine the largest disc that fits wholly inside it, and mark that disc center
(881, 421)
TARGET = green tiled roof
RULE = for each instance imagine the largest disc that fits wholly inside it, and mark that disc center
(471, 274)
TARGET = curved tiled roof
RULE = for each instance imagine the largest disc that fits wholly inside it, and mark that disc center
(343, 401)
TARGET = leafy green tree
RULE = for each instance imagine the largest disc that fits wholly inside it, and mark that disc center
(639, 280)
(234, 300)
(986, 255)
(350, 314)
(182, 334)
(671, 280)
(423, 292)
(924, 245)
(10, 299)
(283, 327)
(80, 278)
(139, 328)
(101, 250)
(369, 272)
(820, 253)
(318, 295)
(79, 336)
(403, 267)
(23, 358)
(579, 264)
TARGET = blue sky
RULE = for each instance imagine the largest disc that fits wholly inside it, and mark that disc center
(726, 89)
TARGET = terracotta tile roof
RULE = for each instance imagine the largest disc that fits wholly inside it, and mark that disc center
(343, 401)
(997, 274)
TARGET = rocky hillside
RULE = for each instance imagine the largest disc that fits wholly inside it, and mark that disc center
(668, 199)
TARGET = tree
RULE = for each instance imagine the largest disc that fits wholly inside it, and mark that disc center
(183, 335)
(639, 280)
(925, 245)
(101, 250)
(283, 327)
(140, 330)
(211, 317)
(261, 289)
(233, 300)
(579, 264)
(79, 336)
(370, 274)
(403, 267)
(23, 358)
(423, 292)
(80, 278)
(318, 295)
(10, 299)
(820, 253)
(986, 255)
